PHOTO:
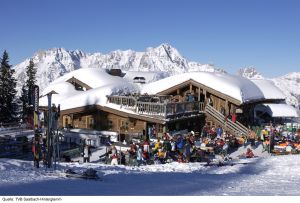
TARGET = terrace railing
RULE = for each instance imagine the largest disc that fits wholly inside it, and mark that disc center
(128, 102)
(165, 110)
(184, 107)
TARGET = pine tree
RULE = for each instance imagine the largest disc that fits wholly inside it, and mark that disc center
(31, 75)
(26, 96)
(7, 90)
(24, 100)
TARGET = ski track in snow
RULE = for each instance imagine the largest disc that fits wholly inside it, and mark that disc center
(273, 175)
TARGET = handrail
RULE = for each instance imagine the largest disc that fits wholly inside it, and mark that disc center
(235, 127)
(220, 114)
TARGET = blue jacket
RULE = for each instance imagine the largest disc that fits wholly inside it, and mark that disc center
(180, 143)
(219, 131)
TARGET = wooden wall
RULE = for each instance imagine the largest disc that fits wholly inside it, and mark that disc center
(100, 120)
(219, 99)
(125, 125)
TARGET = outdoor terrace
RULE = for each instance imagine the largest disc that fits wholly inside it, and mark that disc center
(159, 106)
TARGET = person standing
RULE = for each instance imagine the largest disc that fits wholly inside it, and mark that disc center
(146, 146)
(210, 101)
(36, 149)
(219, 131)
(114, 156)
(233, 117)
(139, 155)
(86, 154)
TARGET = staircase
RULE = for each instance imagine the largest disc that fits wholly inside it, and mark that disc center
(237, 129)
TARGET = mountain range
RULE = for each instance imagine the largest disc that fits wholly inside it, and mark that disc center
(55, 62)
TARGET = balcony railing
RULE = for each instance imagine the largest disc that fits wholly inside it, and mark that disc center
(165, 109)
(128, 102)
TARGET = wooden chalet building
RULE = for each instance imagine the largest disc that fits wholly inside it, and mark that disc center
(88, 100)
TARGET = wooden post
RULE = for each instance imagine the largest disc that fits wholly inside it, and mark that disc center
(226, 107)
(191, 88)
(199, 93)
(72, 120)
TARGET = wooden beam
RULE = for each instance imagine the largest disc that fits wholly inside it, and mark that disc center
(226, 107)
(205, 96)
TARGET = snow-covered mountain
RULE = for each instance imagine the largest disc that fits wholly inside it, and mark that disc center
(164, 59)
(250, 73)
(55, 62)
(289, 84)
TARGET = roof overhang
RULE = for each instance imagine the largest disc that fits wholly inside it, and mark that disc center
(278, 110)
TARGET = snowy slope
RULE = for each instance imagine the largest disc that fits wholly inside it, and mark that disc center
(289, 84)
(272, 175)
(57, 61)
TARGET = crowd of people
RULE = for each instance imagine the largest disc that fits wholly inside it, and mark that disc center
(277, 139)
(184, 148)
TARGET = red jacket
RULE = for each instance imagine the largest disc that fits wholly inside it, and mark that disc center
(249, 154)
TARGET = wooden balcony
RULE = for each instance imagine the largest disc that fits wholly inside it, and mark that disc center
(164, 109)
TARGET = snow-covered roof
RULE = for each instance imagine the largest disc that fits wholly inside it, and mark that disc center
(242, 89)
(150, 76)
(279, 110)
(102, 83)
(269, 90)
(93, 77)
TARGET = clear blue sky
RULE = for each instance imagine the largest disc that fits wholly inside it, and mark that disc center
(228, 33)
